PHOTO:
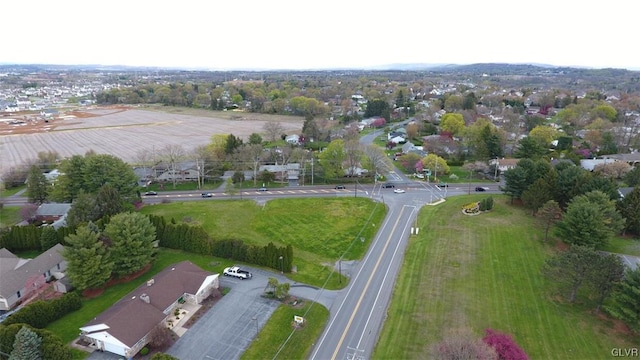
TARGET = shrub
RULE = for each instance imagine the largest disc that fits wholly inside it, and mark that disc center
(144, 351)
(504, 346)
(39, 314)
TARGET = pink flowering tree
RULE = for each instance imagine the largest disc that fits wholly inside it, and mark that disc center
(504, 346)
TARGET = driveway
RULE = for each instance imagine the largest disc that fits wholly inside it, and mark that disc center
(633, 262)
(228, 328)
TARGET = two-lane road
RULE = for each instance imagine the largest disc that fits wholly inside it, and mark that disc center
(359, 310)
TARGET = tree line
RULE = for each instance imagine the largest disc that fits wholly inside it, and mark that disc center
(584, 210)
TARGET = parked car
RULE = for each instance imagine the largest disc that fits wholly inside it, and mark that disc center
(398, 191)
(263, 189)
(481, 188)
(388, 186)
(235, 271)
(338, 187)
(207, 194)
(148, 193)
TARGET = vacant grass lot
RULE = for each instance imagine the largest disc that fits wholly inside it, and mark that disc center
(278, 336)
(481, 272)
(319, 229)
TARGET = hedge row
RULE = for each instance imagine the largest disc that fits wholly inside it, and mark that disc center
(39, 314)
(194, 239)
(26, 238)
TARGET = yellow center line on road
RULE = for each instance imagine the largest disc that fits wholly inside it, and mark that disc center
(366, 287)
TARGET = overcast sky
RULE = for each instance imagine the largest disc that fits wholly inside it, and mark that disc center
(263, 34)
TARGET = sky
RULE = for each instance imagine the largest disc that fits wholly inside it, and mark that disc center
(312, 34)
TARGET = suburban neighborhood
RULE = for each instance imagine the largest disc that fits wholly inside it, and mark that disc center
(278, 217)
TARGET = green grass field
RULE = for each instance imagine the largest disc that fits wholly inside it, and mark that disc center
(279, 337)
(9, 215)
(319, 229)
(479, 272)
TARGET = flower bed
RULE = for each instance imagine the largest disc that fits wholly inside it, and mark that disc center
(471, 208)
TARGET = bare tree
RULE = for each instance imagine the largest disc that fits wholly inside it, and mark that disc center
(173, 154)
(250, 154)
(144, 158)
(476, 167)
(614, 170)
(375, 160)
(353, 152)
(461, 345)
(273, 130)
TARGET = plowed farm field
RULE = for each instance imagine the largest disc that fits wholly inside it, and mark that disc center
(123, 132)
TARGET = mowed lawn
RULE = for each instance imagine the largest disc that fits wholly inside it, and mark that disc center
(319, 229)
(479, 272)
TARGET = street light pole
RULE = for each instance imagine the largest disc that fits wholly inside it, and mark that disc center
(281, 265)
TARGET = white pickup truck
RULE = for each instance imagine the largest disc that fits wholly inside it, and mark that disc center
(235, 271)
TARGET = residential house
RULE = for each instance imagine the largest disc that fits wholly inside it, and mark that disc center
(22, 277)
(632, 159)
(410, 148)
(51, 212)
(144, 175)
(289, 172)
(624, 191)
(440, 144)
(397, 137)
(590, 164)
(182, 171)
(504, 164)
(293, 139)
(126, 327)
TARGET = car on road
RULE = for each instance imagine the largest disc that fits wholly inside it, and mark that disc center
(398, 191)
(149, 193)
(207, 194)
(263, 189)
(388, 186)
(339, 187)
(481, 188)
(442, 185)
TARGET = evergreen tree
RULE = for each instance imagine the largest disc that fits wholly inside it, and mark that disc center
(88, 261)
(37, 185)
(571, 269)
(109, 202)
(550, 214)
(591, 220)
(606, 273)
(26, 346)
(132, 236)
(83, 210)
(629, 207)
(626, 300)
(48, 238)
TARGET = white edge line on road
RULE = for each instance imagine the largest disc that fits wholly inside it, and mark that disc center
(395, 252)
(315, 352)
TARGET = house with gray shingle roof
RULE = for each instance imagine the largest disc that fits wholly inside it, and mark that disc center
(51, 212)
(126, 327)
(19, 275)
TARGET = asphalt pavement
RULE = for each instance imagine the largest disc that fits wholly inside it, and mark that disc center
(229, 327)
